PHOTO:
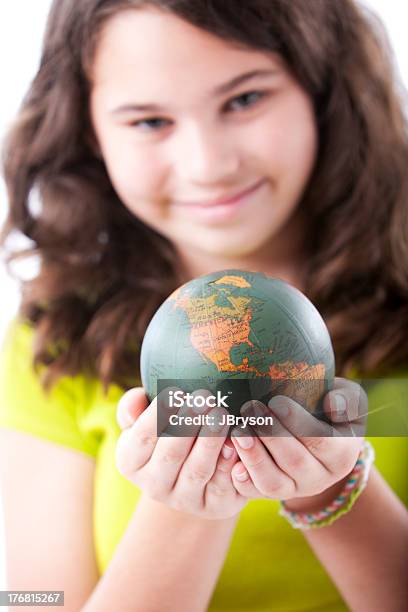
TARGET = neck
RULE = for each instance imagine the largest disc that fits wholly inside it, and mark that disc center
(284, 257)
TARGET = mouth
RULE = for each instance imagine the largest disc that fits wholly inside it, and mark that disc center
(224, 200)
(224, 210)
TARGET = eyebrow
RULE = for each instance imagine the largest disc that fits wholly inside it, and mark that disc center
(217, 91)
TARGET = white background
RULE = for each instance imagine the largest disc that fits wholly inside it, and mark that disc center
(21, 27)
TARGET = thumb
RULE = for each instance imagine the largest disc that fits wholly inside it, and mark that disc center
(130, 406)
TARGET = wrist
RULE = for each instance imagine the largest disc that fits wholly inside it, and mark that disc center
(190, 519)
(315, 503)
(303, 513)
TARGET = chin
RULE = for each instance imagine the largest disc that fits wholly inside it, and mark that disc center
(232, 250)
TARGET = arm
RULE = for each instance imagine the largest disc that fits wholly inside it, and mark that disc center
(47, 493)
(366, 550)
(166, 560)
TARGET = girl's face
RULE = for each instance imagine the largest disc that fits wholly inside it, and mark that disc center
(184, 119)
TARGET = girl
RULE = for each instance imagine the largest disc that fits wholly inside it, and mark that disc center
(165, 140)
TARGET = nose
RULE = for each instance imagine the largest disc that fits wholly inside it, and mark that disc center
(206, 155)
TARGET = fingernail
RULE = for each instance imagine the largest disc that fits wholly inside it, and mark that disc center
(247, 409)
(253, 408)
(243, 441)
(129, 419)
(227, 451)
(126, 417)
(279, 406)
(259, 411)
(199, 404)
(258, 408)
(241, 476)
(340, 404)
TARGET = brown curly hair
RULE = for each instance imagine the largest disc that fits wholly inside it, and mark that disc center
(95, 293)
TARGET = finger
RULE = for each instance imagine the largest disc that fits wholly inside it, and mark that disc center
(298, 421)
(262, 468)
(167, 446)
(173, 447)
(243, 483)
(337, 454)
(291, 456)
(135, 444)
(200, 464)
(332, 452)
(227, 457)
(331, 447)
(174, 421)
(308, 461)
(172, 450)
(130, 406)
(221, 485)
(347, 406)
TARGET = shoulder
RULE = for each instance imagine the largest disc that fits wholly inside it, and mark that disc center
(18, 333)
(58, 415)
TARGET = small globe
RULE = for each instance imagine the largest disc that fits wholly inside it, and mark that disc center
(235, 329)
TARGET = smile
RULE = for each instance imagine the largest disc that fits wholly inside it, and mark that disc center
(225, 200)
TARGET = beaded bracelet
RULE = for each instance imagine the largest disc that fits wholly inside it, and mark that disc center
(343, 502)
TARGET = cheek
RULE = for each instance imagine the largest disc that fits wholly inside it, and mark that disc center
(134, 175)
(286, 141)
(300, 139)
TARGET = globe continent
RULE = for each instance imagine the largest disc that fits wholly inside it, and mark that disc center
(236, 325)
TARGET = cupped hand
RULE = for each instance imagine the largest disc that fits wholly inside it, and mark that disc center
(189, 474)
(304, 456)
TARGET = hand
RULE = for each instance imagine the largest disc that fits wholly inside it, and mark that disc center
(294, 463)
(189, 474)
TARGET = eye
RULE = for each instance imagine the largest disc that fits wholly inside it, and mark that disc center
(247, 100)
(241, 102)
(151, 124)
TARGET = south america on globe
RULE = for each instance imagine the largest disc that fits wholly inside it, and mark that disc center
(244, 333)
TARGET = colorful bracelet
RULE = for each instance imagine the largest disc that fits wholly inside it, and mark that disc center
(343, 502)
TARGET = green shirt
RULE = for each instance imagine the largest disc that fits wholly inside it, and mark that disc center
(269, 565)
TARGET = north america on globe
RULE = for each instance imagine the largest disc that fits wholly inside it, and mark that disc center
(239, 324)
